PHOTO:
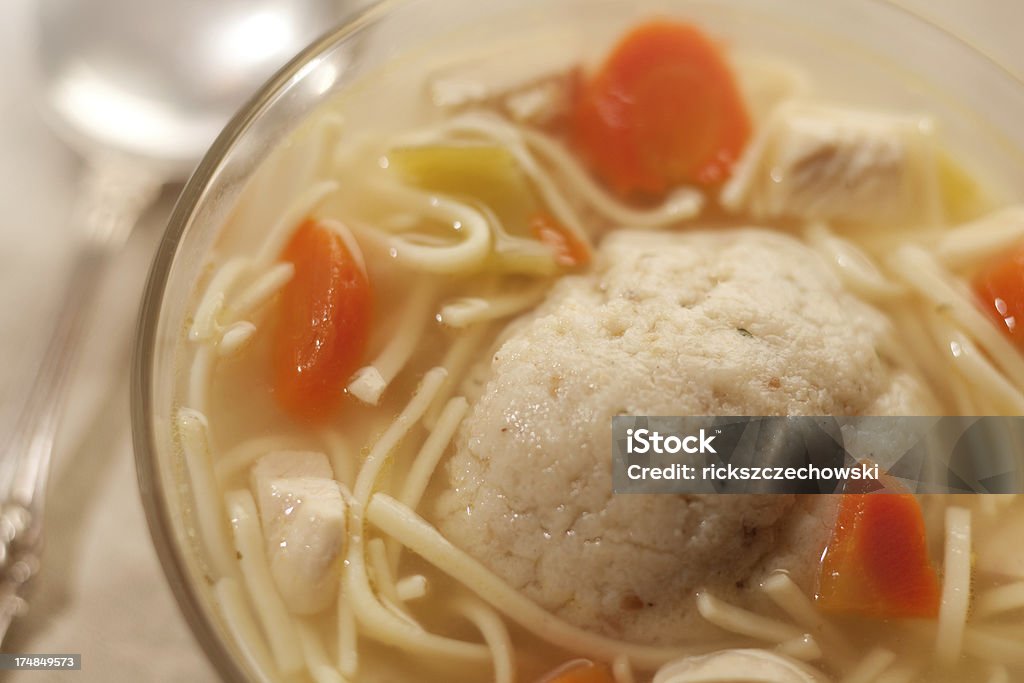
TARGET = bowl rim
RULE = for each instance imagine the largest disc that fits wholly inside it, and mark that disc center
(144, 439)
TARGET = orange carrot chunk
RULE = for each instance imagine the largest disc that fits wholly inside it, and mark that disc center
(569, 250)
(325, 322)
(876, 563)
(582, 671)
(1000, 287)
(662, 111)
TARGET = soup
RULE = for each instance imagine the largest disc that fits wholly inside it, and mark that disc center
(398, 378)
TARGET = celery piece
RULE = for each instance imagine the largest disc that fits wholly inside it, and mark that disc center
(479, 173)
(962, 195)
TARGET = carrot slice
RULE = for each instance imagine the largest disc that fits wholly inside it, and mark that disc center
(876, 563)
(1000, 287)
(663, 110)
(582, 671)
(569, 250)
(325, 322)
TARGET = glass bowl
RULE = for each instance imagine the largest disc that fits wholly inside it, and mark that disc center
(867, 51)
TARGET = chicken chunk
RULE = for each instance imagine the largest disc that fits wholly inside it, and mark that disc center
(816, 162)
(303, 518)
(751, 666)
(742, 322)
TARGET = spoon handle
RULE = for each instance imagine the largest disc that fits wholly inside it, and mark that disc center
(112, 196)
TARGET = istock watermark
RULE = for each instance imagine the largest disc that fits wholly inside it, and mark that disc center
(655, 454)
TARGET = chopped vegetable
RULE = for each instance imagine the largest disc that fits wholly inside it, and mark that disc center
(569, 251)
(664, 110)
(489, 175)
(1000, 287)
(876, 563)
(963, 197)
(581, 671)
(325, 322)
(483, 173)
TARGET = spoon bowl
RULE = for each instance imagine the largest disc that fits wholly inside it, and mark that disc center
(156, 81)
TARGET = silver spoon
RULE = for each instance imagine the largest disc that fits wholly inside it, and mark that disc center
(140, 89)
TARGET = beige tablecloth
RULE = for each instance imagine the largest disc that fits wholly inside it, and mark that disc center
(101, 592)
